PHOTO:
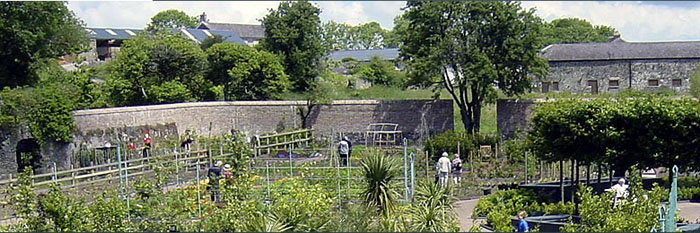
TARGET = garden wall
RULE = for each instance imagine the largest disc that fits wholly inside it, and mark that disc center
(512, 116)
(416, 118)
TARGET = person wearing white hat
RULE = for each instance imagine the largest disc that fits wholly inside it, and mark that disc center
(620, 191)
(444, 167)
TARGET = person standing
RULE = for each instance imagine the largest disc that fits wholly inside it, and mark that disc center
(214, 174)
(457, 169)
(345, 138)
(523, 226)
(620, 191)
(343, 152)
(227, 171)
(444, 167)
(146, 145)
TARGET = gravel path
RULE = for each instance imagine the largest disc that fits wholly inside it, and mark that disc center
(464, 214)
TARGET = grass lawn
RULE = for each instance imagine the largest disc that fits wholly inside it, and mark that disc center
(488, 112)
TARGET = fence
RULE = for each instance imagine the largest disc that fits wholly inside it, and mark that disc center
(186, 164)
(284, 141)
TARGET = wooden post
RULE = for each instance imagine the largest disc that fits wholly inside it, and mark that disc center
(561, 180)
(427, 165)
(72, 175)
(588, 175)
(571, 180)
(600, 171)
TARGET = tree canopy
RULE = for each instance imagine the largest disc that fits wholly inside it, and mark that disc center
(159, 68)
(31, 31)
(644, 131)
(245, 73)
(574, 30)
(171, 19)
(341, 36)
(472, 48)
(293, 32)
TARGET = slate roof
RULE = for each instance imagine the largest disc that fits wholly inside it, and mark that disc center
(191, 33)
(243, 30)
(365, 55)
(621, 50)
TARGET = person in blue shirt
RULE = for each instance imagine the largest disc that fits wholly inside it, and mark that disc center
(522, 225)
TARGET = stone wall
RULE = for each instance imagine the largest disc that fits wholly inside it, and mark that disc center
(512, 116)
(416, 118)
(573, 76)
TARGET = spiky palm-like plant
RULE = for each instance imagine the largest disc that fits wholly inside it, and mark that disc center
(432, 193)
(266, 223)
(379, 171)
(433, 209)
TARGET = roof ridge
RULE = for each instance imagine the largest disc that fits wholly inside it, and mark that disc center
(236, 24)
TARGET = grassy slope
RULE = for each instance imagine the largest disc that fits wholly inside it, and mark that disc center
(488, 118)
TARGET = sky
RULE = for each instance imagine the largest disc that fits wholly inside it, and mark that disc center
(639, 21)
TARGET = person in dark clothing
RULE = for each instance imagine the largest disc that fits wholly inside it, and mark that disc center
(214, 174)
(188, 141)
(345, 138)
(146, 145)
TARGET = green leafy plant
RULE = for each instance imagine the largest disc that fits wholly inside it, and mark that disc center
(379, 171)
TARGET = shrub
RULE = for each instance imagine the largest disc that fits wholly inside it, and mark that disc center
(380, 72)
(450, 140)
(511, 201)
(695, 83)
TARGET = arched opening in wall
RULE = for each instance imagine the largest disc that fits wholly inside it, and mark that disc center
(28, 154)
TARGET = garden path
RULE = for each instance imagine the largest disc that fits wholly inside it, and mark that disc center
(464, 214)
(690, 211)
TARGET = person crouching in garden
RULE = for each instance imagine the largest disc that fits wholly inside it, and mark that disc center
(444, 167)
(457, 169)
(522, 224)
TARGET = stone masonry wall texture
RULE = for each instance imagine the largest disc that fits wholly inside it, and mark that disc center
(416, 118)
(573, 76)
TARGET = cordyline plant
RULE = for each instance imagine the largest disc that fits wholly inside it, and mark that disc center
(379, 172)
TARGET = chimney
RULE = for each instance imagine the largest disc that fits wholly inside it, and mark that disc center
(203, 18)
(615, 38)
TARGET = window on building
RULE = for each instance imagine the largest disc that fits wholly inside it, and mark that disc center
(653, 82)
(676, 82)
(555, 86)
(613, 85)
(545, 87)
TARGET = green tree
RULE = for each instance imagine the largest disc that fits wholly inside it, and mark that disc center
(379, 72)
(210, 41)
(52, 118)
(574, 30)
(336, 36)
(393, 38)
(293, 32)
(341, 36)
(31, 31)
(247, 74)
(368, 36)
(470, 48)
(160, 68)
(172, 18)
(695, 83)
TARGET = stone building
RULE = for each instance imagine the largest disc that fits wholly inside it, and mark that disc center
(618, 65)
(250, 33)
(346, 59)
(105, 42)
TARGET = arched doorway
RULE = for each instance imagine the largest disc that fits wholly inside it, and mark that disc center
(28, 154)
